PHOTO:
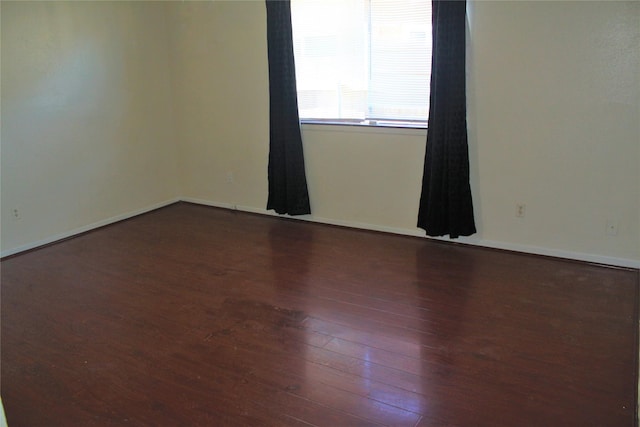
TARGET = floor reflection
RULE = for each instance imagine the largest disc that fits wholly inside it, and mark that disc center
(443, 289)
(290, 253)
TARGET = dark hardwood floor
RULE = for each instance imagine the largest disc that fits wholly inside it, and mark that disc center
(196, 316)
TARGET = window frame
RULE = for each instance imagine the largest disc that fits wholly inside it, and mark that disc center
(379, 123)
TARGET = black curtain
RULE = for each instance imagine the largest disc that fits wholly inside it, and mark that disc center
(287, 180)
(445, 204)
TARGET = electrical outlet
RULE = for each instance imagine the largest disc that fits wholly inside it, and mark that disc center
(15, 212)
(612, 227)
(520, 210)
(229, 177)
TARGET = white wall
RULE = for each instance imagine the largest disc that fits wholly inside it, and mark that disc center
(553, 97)
(221, 88)
(553, 94)
(87, 131)
(554, 123)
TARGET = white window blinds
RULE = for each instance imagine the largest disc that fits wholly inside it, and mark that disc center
(362, 60)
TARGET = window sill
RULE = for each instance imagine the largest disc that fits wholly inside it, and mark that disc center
(352, 127)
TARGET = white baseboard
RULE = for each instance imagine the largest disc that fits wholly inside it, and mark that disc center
(535, 250)
(212, 204)
(84, 229)
(557, 253)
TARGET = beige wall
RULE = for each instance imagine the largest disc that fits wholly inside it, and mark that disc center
(221, 88)
(87, 130)
(553, 96)
(553, 123)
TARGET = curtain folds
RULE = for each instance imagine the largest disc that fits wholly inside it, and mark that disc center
(288, 192)
(445, 204)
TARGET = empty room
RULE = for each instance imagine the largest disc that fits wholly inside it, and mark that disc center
(320, 213)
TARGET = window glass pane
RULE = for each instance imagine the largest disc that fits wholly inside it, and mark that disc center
(400, 47)
(362, 59)
(330, 44)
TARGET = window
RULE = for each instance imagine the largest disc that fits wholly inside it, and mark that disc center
(363, 61)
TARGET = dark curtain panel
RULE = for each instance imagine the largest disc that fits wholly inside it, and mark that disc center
(445, 203)
(287, 180)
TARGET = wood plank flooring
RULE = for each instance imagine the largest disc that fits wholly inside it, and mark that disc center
(196, 316)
